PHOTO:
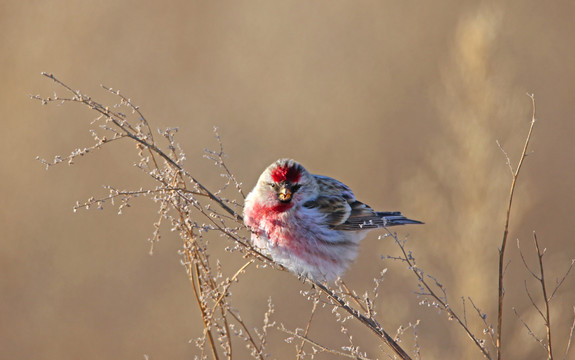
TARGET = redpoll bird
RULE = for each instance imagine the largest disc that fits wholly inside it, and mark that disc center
(310, 224)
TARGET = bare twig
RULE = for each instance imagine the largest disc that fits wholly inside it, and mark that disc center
(266, 325)
(531, 333)
(230, 281)
(299, 354)
(118, 120)
(323, 348)
(441, 301)
(545, 298)
(488, 327)
(570, 336)
(560, 282)
(501, 290)
(205, 316)
(544, 314)
(353, 296)
(371, 323)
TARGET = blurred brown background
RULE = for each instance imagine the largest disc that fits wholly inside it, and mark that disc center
(403, 101)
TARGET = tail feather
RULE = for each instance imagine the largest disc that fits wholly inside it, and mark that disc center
(376, 220)
(392, 218)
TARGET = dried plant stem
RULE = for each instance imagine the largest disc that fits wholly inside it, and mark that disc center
(250, 338)
(354, 297)
(541, 279)
(308, 326)
(232, 279)
(570, 336)
(305, 339)
(129, 132)
(194, 275)
(441, 301)
(501, 290)
(371, 323)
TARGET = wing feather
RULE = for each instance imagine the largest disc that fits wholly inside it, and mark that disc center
(343, 212)
(335, 209)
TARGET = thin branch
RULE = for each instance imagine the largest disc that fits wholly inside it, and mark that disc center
(113, 117)
(354, 297)
(533, 301)
(373, 325)
(441, 300)
(524, 261)
(308, 326)
(507, 159)
(544, 291)
(560, 282)
(230, 281)
(250, 338)
(321, 347)
(196, 286)
(501, 290)
(488, 327)
(570, 336)
(547, 299)
(529, 329)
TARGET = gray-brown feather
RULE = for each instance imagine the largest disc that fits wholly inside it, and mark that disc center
(336, 209)
(343, 212)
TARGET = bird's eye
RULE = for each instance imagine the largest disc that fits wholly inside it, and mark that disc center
(296, 187)
(274, 186)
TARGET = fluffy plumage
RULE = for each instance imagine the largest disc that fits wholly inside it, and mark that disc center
(310, 224)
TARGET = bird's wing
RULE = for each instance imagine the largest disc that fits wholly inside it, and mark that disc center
(340, 208)
(343, 212)
(361, 217)
(335, 210)
(330, 186)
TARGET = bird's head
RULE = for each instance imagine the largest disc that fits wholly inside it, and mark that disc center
(286, 183)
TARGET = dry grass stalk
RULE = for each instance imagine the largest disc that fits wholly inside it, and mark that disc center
(501, 289)
(546, 313)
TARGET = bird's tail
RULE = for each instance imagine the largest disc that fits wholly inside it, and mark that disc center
(392, 218)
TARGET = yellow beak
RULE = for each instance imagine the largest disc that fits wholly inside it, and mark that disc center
(284, 194)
